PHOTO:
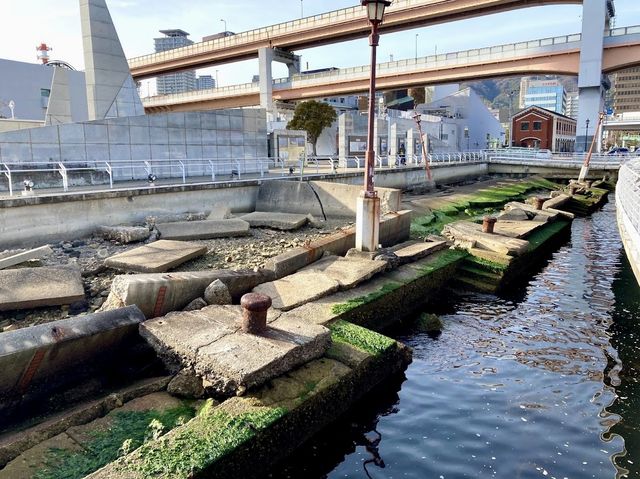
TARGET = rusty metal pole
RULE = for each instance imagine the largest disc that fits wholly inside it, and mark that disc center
(254, 312)
(488, 222)
(539, 202)
(369, 162)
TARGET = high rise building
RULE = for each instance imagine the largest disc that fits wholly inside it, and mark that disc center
(572, 105)
(205, 82)
(626, 95)
(548, 94)
(175, 82)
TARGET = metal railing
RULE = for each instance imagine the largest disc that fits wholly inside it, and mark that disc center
(173, 172)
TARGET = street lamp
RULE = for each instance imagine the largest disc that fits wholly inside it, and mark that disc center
(368, 207)
(225, 23)
(586, 134)
(417, 117)
(417, 46)
(511, 93)
(301, 8)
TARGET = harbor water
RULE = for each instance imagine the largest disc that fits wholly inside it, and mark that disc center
(539, 382)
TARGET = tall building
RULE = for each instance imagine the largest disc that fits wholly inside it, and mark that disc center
(205, 82)
(547, 94)
(626, 95)
(572, 105)
(175, 82)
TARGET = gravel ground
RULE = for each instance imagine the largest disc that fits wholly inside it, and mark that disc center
(225, 253)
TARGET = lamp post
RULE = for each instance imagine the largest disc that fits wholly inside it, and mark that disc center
(417, 117)
(416, 57)
(225, 23)
(301, 8)
(368, 207)
(511, 93)
(586, 134)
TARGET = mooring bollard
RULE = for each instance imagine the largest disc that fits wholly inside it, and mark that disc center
(488, 222)
(539, 202)
(254, 312)
(573, 189)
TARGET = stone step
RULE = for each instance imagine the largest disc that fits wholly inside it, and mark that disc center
(347, 272)
(156, 257)
(205, 229)
(414, 250)
(274, 220)
(297, 289)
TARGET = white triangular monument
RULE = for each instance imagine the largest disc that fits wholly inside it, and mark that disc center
(59, 108)
(111, 91)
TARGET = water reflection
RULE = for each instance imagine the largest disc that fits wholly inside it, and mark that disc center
(539, 383)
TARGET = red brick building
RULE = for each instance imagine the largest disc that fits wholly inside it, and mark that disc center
(536, 127)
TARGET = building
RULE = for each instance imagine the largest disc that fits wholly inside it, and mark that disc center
(28, 86)
(626, 95)
(205, 82)
(175, 82)
(537, 127)
(547, 94)
(573, 102)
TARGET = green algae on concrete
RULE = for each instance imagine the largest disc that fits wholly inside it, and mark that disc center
(355, 303)
(543, 235)
(362, 338)
(127, 431)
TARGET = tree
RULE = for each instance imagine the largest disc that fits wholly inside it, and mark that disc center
(313, 117)
(418, 95)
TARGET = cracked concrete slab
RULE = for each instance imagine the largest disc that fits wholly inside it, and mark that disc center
(297, 289)
(156, 257)
(278, 221)
(205, 229)
(35, 287)
(412, 251)
(348, 272)
(230, 361)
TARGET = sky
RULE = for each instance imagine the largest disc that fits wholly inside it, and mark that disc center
(27, 23)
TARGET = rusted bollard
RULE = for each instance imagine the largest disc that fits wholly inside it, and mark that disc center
(573, 189)
(539, 202)
(254, 312)
(589, 183)
(488, 222)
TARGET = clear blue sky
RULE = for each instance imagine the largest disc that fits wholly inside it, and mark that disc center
(29, 22)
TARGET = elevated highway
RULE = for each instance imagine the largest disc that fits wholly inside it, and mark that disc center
(557, 55)
(332, 27)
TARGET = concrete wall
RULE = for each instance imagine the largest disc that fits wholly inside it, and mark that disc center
(10, 125)
(319, 198)
(219, 135)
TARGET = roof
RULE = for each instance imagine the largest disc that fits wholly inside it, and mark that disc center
(176, 32)
(550, 112)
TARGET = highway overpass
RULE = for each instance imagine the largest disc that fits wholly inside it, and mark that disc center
(557, 55)
(332, 27)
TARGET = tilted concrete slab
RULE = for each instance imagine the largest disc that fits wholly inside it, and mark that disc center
(157, 257)
(278, 221)
(347, 272)
(412, 251)
(19, 258)
(35, 360)
(161, 293)
(229, 360)
(35, 287)
(206, 229)
(297, 289)
(517, 229)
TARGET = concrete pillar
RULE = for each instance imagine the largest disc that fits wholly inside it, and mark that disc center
(595, 17)
(411, 150)
(265, 57)
(367, 223)
(343, 141)
(393, 143)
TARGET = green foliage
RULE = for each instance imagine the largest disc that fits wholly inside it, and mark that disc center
(313, 117)
(206, 439)
(128, 431)
(361, 338)
(362, 300)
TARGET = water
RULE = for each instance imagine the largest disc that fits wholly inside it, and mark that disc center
(540, 383)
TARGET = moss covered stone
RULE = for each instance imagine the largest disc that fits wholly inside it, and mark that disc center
(365, 339)
(355, 303)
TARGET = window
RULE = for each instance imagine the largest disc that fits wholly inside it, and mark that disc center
(524, 126)
(537, 126)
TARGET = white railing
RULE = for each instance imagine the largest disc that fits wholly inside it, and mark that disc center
(167, 172)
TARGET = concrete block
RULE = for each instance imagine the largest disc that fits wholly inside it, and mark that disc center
(297, 289)
(156, 257)
(19, 258)
(210, 341)
(279, 221)
(412, 251)
(124, 234)
(94, 133)
(347, 272)
(45, 152)
(158, 294)
(34, 360)
(219, 212)
(207, 229)
(28, 288)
